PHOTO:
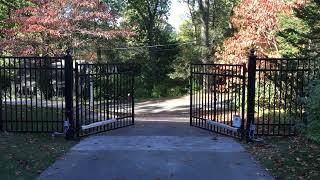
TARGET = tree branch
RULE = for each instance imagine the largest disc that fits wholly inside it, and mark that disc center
(9, 5)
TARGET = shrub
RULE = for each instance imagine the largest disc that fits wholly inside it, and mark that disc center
(312, 128)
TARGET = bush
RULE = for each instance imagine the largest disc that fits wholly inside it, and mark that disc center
(312, 128)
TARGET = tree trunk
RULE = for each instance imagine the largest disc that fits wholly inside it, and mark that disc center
(204, 13)
(99, 54)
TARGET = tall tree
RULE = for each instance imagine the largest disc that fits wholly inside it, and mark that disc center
(299, 32)
(48, 27)
(148, 20)
(256, 22)
(8, 6)
(210, 19)
(199, 13)
(204, 7)
(149, 15)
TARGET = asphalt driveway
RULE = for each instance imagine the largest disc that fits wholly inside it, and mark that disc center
(157, 149)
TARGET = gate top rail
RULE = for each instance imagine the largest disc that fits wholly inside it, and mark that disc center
(213, 64)
(104, 64)
(277, 59)
(30, 57)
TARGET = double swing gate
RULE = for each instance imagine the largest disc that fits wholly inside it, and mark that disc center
(57, 95)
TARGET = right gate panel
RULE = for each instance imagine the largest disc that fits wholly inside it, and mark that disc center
(104, 97)
(217, 98)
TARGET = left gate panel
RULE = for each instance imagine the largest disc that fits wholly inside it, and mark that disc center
(104, 97)
(32, 94)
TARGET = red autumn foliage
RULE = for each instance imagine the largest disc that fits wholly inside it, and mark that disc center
(255, 22)
(51, 26)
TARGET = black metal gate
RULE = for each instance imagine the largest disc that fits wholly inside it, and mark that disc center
(217, 98)
(281, 93)
(104, 97)
(32, 94)
(275, 103)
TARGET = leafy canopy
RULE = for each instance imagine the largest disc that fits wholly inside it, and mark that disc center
(48, 27)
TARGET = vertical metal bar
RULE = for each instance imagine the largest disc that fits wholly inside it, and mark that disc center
(215, 99)
(93, 81)
(220, 72)
(296, 93)
(204, 97)
(122, 94)
(280, 98)
(103, 81)
(30, 93)
(77, 127)
(191, 86)
(214, 76)
(208, 96)
(117, 94)
(12, 120)
(56, 95)
(291, 96)
(62, 116)
(198, 95)
(114, 98)
(223, 102)
(233, 95)
(302, 88)
(274, 97)
(5, 99)
(270, 127)
(68, 94)
(108, 92)
(46, 93)
(251, 92)
(1, 69)
(200, 80)
(87, 96)
(202, 89)
(264, 97)
(16, 99)
(80, 78)
(25, 95)
(41, 94)
(286, 93)
(51, 108)
(36, 92)
(244, 71)
(258, 98)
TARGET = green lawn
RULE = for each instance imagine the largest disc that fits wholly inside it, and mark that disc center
(288, 157)
(25, 156)
(35, 119)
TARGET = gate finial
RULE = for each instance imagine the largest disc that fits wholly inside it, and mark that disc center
(252, 52)
(68, 51)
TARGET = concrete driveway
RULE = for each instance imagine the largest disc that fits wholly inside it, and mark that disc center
(156, 149)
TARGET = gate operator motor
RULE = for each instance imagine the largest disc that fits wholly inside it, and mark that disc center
(236, 121)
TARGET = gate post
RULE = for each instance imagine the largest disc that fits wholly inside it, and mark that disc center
(251, 94)
(68, 93)
(1, 122)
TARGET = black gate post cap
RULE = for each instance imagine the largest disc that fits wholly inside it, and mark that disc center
(68, 51)
(252, 52)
